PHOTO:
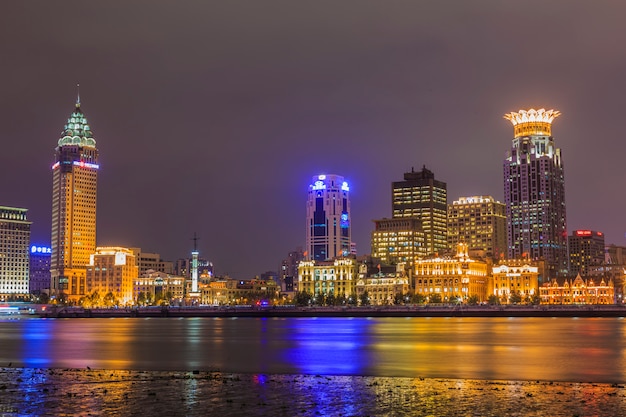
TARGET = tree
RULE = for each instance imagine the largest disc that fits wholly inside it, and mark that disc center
(353, 299)
(493, 300)
(330, 299)
(417, 298)
(109, 300)
(398, 299)
(365, 298)
(515, 297)
(472, 300)
(44, 298)
(435, 298)
(302, 298)
(141, 298)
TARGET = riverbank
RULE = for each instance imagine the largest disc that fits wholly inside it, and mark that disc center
(37, 392)
(387, 311)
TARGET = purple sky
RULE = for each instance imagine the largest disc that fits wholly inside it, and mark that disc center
(212, 117)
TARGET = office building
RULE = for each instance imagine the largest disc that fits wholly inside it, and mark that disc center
(398, 240)
(480, 222)
(337, 277)
(520, 277)
(14, 252)
(328, 218)
(39, 269)
(586, 249)
(534, 190)
(74, 183)
(112, 270)
(147, 261)
(423, 197)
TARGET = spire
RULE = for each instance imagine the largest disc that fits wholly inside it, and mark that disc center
(78, 95)
(77, 131)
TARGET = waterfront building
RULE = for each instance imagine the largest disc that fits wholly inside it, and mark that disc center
(480, 222)
(534, 191)
(14, 251)
(289, 270)
(183, 268)
(515, 277)
(452, 278)
(154, 286)
(112, 270)
(383, 285)
(398, 240)
(337, 276)
(147, 261)
(39, 281)
(74, 182)
(423, 197)
(577, 291)
(586, 249)
(328, 218)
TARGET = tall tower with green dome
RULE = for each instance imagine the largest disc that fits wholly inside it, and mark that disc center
(74, 195)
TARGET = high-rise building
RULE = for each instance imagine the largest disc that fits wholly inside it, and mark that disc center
(39, 269)
(399, 240)
(421, 196)
(534, 192)
(152, 261)
(586, 249)
(14, 251)
(112, 270)
(480, 222)
(328, 218)
(74, 180)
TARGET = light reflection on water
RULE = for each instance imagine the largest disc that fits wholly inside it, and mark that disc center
(563, 349)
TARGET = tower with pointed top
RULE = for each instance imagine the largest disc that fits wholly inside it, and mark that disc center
(74, 195)
(534, 192)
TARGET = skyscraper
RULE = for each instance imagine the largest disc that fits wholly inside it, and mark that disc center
(328, 218)
(74, 180)
(14, 251)
(534, 191)
(420, 195)
(586, 249)
(480, 222)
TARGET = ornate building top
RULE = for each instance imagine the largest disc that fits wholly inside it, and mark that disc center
(77, 131)
(532, 122)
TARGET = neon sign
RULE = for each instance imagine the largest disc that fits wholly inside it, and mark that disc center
(83, 164)
(345, 187)
(319, 185)
(56, 165)
(40, 249)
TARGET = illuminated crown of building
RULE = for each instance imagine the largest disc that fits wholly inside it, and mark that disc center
(76, 130)
(532, 122)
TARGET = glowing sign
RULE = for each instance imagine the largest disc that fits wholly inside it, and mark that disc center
(321, 177)
(586, 233)
(319, 185)
(345, 187)
(83, 164)
(40, 249)
(56, 165)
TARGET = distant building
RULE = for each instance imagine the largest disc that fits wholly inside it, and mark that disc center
(39, 269)
(152, 261)
(534, 192)
(423, 197)
(398, 240)
(183, 267)
(74, 195)
(452, 278)
(155, 285)
(114, 270)
(328, 218)
(515, 276)
(577, 291)
(337, 276)
(14, 251)
(586, 249)
(289, 269)
(382, 285)
(480, 222)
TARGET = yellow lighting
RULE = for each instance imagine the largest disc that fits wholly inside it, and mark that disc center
(532, 122)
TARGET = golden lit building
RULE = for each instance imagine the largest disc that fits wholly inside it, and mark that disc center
(74, 181)
(223, 291)
(398, 240)
(452, 278)
(578, 291)
(324, 277)
(14, 251)
(515, 276)
(480, 222)
(382, 288)
(159, 285)
(112, 269)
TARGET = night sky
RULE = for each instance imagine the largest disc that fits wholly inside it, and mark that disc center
(212, 117)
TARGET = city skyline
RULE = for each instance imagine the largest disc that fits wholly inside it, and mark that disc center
(209, 120)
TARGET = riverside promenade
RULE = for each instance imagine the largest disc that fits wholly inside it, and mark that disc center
(369, 311)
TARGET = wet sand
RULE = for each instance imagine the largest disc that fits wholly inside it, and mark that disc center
(84, 392)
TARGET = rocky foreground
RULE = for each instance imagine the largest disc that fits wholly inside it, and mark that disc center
(85, 392)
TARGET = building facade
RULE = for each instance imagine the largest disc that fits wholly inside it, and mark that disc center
(328, 218)
(423, 197)
(39, 269)
(152, 261)
(398, 240)
(14, 252)
(586, 249)
(114, 270)
(452, 278)
(480, 222)
(515, 276)
(156, 286)
(382, 287)
(534, 190)
(325, 277)
(74, 186)
(577, 291)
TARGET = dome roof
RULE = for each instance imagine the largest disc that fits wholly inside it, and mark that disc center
(77, 130)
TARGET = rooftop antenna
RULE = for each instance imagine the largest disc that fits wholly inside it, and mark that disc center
(77, 94)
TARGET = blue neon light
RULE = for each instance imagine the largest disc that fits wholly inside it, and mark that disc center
(40, 249)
